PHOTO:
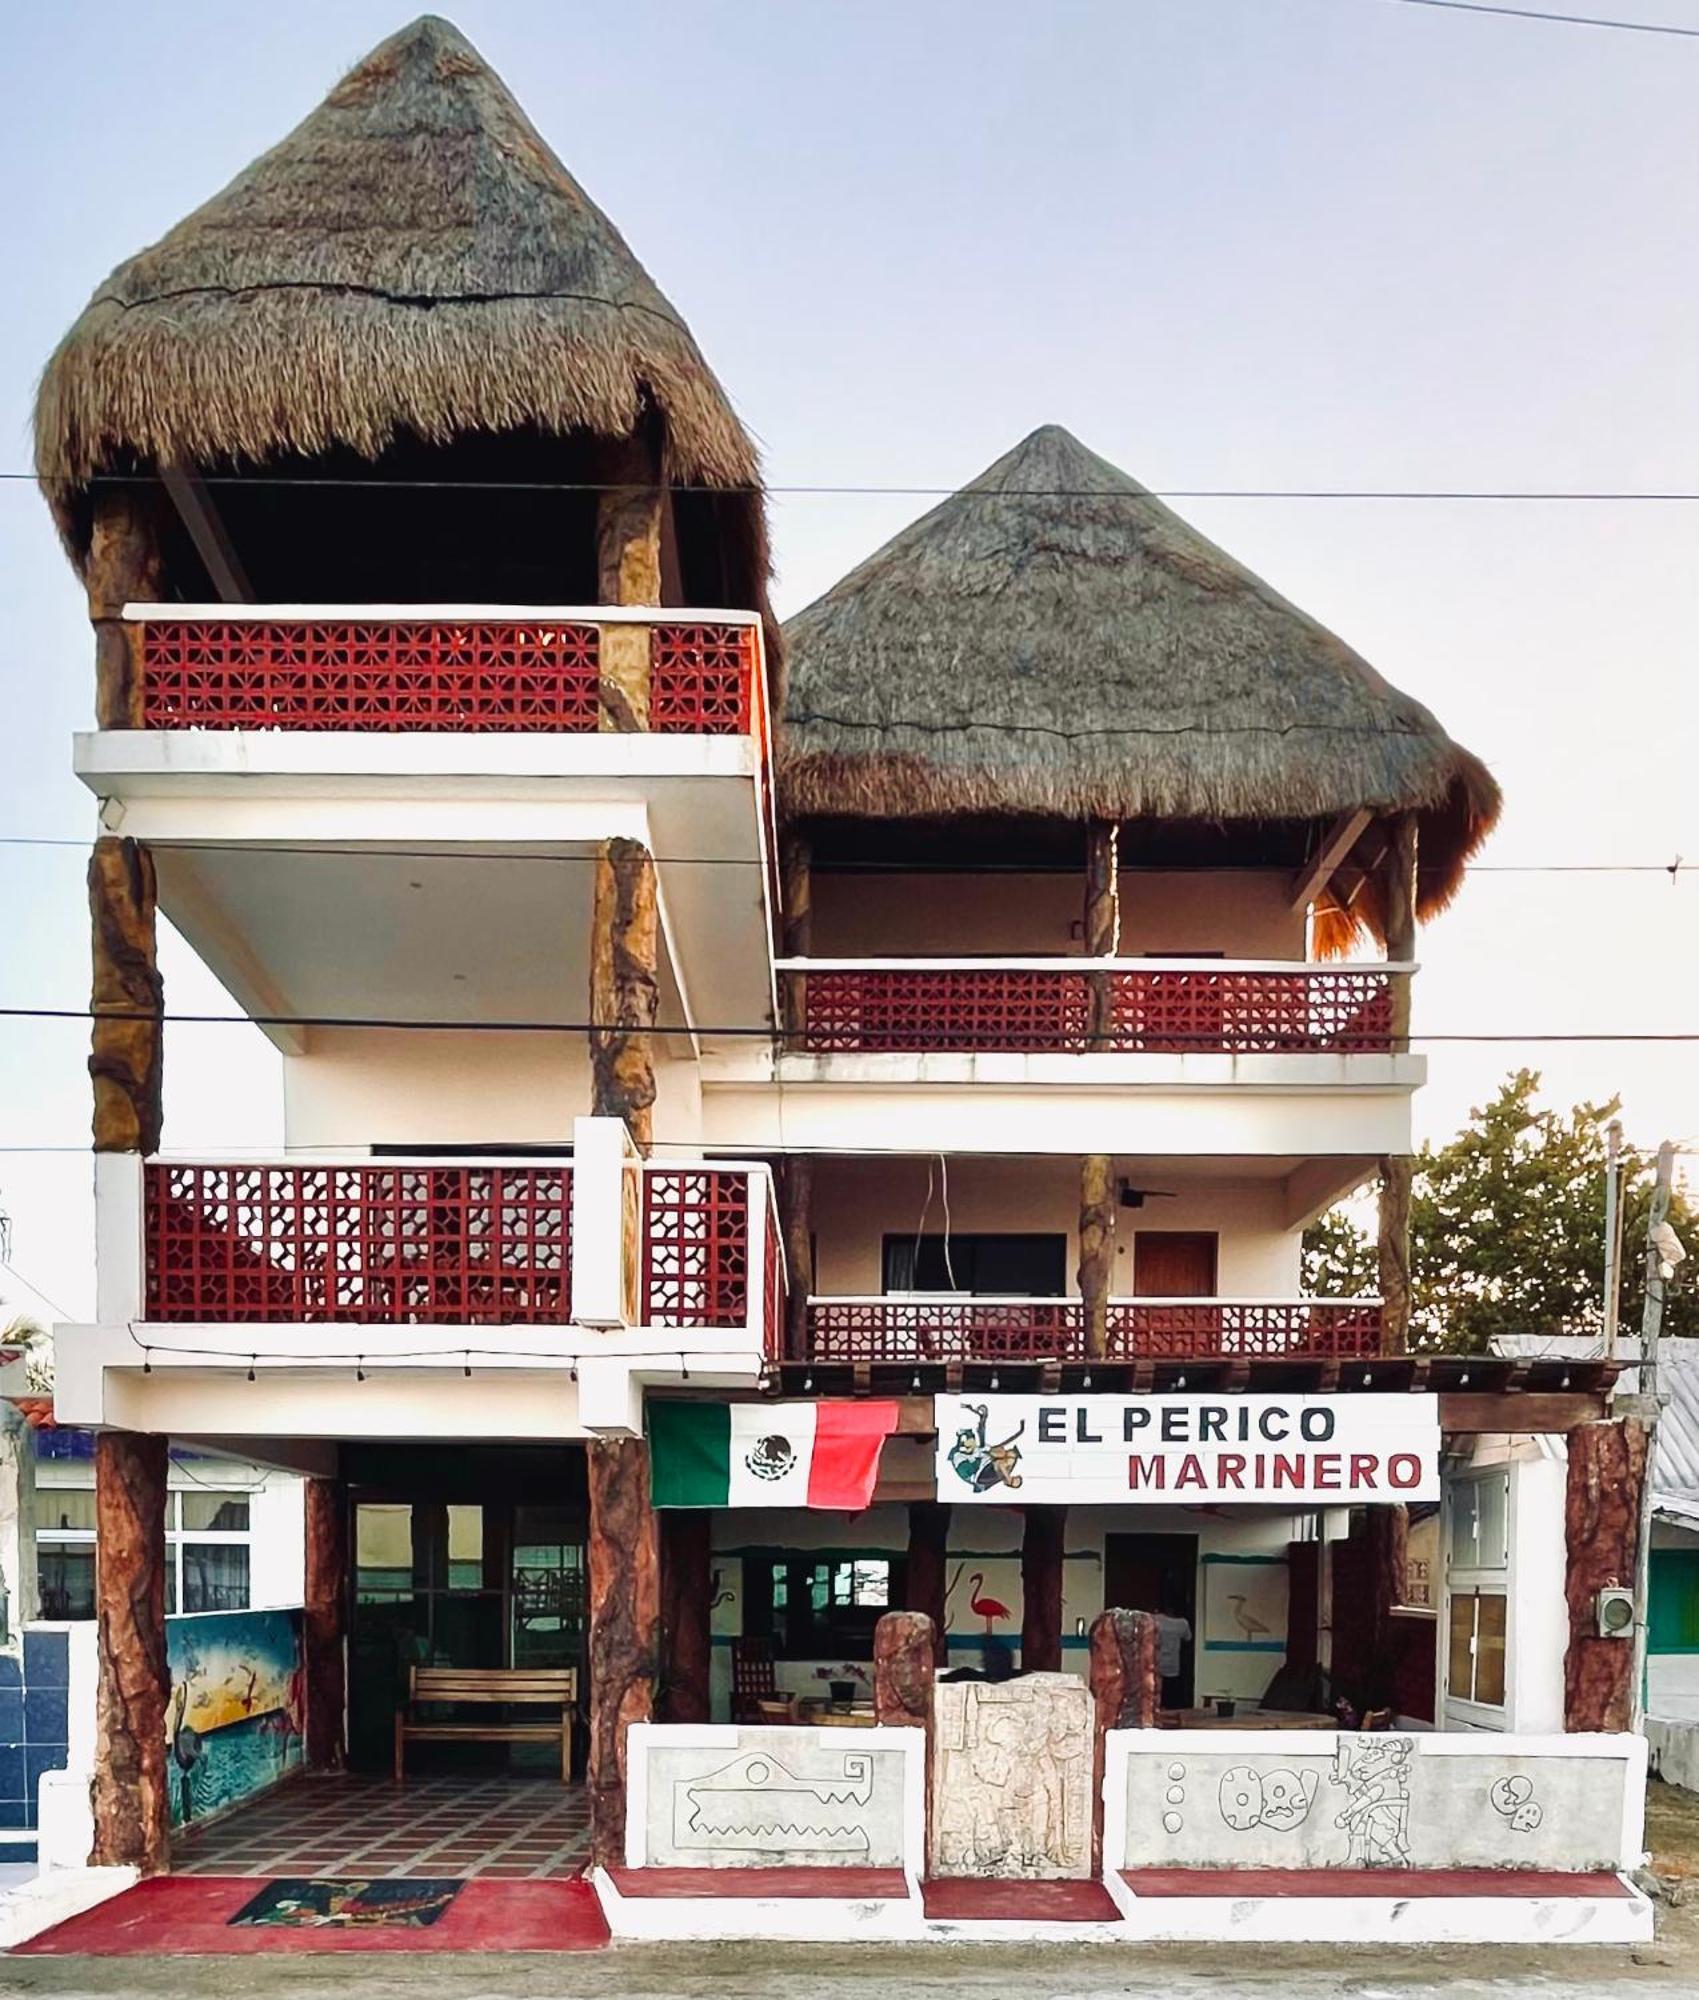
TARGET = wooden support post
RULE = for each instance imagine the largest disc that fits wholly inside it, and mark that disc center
(686, 1554)
(1097, 1249)
(199, 513)
(123, 568)
(1101, 929)
(796, 930)
(1042, 1540)
(624, 987)
(1126, 1692)
(1389, 1566)
(127, 998)
(904, 1649)
(926, 1587)
(324, 1624)
(629, 524)
(1607, 1468)
(796, 1214)
(1393, 1250)
(131, 1804)
(623, 1562)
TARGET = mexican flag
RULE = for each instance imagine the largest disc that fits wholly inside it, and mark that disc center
(766, 1454)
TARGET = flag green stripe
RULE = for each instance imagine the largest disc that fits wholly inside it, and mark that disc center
(690, 1454)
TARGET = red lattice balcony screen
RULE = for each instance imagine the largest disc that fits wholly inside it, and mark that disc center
(696, 1226)
(1342, 1010)
(478, 675)
(967, 1329)
(377, 1245)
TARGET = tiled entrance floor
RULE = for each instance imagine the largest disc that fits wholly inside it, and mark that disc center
(501, 1828)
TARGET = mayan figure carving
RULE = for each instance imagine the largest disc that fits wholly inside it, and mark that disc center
(1012, 1778)
(1375, 1772)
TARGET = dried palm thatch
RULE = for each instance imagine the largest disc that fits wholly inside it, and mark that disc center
(412, 260)
(1053, 640)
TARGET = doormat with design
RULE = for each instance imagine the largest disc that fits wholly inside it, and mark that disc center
(301, 1904)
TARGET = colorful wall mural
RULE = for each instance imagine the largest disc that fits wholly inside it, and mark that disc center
(235, 1718)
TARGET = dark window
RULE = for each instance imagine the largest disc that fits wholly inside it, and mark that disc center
(820, 1604)
(1029, 1267)
(66, 1576)
(215, 1576)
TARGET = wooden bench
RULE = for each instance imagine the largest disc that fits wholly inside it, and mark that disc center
(506, 1687)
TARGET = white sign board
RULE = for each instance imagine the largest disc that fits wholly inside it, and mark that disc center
(1291, 1451)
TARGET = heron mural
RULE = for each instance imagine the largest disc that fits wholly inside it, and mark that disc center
(235, 1720)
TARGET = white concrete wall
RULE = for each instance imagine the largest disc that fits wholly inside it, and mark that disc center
(856, 1202)
(360, 1088)
(277, 1574)
(1241, 913)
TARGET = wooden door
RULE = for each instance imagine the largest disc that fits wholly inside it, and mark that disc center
(1174, 1263)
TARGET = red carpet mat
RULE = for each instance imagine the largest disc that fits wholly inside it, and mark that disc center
(191, 1915)
(968, 1899)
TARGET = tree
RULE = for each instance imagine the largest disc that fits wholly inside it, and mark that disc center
(1507, 1230)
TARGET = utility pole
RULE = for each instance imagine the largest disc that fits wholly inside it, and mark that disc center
(1651, 1401)
(1613, 1233)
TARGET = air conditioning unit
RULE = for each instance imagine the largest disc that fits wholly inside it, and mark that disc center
(1613, 1613)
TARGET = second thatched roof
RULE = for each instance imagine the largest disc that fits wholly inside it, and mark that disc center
(412, 260)
(1053, 640)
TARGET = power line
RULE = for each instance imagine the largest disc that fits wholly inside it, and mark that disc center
(1567, 20)
(1680, 865)
(746, 1030)
(831, 490)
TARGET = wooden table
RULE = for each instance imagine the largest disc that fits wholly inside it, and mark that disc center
(820, 1713)
(1206, 1718)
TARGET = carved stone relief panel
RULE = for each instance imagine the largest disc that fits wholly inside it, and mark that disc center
(1011, 1777)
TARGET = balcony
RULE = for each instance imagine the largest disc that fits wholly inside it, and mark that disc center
(1066, 1006)
(348, 806)
(251, 1296)
(953, 1331)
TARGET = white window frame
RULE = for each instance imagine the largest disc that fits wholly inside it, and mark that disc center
(1475, 1580)
(48, 1540)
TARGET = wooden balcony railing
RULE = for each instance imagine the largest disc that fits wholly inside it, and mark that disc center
(413, 668)
(1045, 1006)
(945, 1329)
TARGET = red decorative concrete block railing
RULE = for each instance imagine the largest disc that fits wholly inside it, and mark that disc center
(446, 1245)
(969, 1329)
(1026, 1009)
(711, 1250)
(482, 675)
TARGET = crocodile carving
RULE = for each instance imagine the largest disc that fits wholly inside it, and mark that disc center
(757, 1802)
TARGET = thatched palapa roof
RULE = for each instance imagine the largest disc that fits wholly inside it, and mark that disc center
(1054, 641)
(412, 260)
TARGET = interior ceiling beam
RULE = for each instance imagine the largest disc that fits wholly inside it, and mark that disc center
(1342, 836)
(206, 528)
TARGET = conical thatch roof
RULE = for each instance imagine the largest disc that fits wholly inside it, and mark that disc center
(411, 260)
(1053, 640)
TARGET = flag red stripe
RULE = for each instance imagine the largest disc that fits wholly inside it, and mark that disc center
(847, 1440)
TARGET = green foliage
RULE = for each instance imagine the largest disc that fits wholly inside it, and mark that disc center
(1507, 1231)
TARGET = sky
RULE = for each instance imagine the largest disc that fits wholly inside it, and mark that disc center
(1228, 243)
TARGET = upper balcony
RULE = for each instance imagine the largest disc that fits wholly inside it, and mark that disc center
(314, 780)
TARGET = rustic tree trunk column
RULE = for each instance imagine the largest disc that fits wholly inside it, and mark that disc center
(1042, 1541)
(123, 568)
(1126, 1691)
(1398, 912)
(1389, 1564)
(127, 999)
(324, 1623)
(132, 1809)
(928, 1544)
(796, 1217)
(624, 1627)
(1097, 1249)
(629, 523)
(1601, 1512)
(686, 1555)
(624, 987)
(796, 930)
